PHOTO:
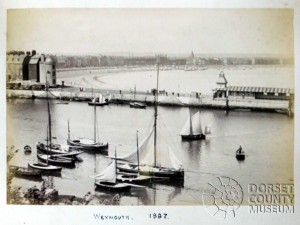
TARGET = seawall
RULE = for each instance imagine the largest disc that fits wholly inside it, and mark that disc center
(179, 100)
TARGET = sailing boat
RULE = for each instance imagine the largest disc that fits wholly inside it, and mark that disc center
(135, 178)
(192, 129)
(100, 101)
(46, 166)
(135, 104)
(107, 180)
(88, 144)
(154, 170)
(57, 159)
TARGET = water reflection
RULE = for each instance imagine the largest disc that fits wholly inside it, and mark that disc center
(255, 131)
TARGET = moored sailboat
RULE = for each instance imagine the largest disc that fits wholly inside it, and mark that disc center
(152, 169)
(107, 180)
(135, 178)
(46, 166)
(88, 144)
(138, 105)
(57, 159)
(66, 150)
(192, 129)
(135, 104)
(25, 171)
(100, 101)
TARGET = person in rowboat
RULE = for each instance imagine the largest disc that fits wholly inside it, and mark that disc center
(240, 150)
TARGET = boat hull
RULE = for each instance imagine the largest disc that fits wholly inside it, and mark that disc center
(137, 105)
(57, 160)
(240, 157)
(44, 167)
(98, 104)
(159, 172)
(92, 147)
(57, 150)
(107, 186)
(193, 137)
(25, 171)
(133, 178)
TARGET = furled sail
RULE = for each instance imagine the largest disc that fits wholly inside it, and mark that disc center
(192, 126)
(109, 174)
(144, 146)
(176, 164)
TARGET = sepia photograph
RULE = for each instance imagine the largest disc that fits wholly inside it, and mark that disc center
(151, 107)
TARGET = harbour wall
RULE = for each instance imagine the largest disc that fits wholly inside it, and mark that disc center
(180, 100)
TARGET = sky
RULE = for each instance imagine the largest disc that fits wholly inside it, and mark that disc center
(170, 31)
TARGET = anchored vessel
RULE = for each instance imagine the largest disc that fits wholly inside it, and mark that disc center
(88, 144)
(146, 168)
(25, 171)
(192, 129)
(240, 154)
(137, 105)
(46, 166)
(107, 180)
(100, 101)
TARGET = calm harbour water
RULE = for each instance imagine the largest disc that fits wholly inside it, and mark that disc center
(267, 139)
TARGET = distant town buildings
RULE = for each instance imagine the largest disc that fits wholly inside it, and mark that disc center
(30, 66)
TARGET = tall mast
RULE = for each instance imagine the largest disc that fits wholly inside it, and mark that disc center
(134, 92)
(94, 100)
(68, 130)
(137, 150)
(49, 117)
(155, 112)
(116, 162)
(191, 124)
(95, 121)
(48, 142)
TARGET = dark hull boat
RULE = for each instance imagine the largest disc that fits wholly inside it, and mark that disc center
(27, 149)
(57, 159)
(154, 172)
(107, 180)
(111, 186)
(98, 103)
(192, 129)
(137, 105)
(45, 167)
(58, 149)
(25, 171)
(193, 137)
(240, 155)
